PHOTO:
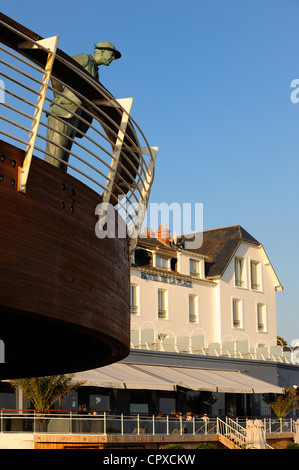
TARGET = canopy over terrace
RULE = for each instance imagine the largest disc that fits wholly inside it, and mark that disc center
(124, 376)
(152, 377)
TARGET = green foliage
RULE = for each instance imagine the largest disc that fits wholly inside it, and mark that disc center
(292, 445)
(281, 341)
(204, 445)
(282, 404)
(174, 446)
(43, 392)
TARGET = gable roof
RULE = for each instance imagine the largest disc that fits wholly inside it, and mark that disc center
(220, 246)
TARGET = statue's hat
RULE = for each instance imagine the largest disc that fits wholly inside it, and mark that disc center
(107, 46)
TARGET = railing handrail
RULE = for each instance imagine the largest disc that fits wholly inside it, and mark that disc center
(235, 424)
(104, 424)
(128, 174)
(228, 431)
(231, 428)
(210, 425)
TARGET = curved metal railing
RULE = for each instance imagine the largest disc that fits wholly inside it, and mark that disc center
(113, 157)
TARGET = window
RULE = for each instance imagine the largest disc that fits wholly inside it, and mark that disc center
(162, 312)
(192, 309)
(239, 272)
(167, 402)
(139, 401)
(99, 402)
(7, 396)
(133, 300)
(162, 263)
(194, 267)
(261, 317)
(255, 275)
(237, 313)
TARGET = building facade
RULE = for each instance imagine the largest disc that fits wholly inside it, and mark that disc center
(218, 299)
(206, 314)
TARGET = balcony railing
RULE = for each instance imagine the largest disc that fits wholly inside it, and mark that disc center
(229, 349)
(121, 424)
(162, 313)
(113, 157)
(255, 286)
(134, 309)
(192, 318)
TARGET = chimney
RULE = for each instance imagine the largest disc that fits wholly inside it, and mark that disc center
(149, 233)
(163, 234)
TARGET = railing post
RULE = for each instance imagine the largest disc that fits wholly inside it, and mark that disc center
(181, 426)
(193, 425)
(167, 425)
(71, 423)
(153, 425)
(138, 425)
(265, 424)
(122, 423)
(105, 424)
(126, 104)
(51, 45)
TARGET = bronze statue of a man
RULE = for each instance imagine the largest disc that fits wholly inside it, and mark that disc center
(59, 145)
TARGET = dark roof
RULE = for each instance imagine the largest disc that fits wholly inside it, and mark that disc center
(220, 245)
(153, 243)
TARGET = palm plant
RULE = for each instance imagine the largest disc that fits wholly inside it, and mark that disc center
(43, 392)
(282, 404)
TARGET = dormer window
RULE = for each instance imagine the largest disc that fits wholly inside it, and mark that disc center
(162, 263)
(194, 267)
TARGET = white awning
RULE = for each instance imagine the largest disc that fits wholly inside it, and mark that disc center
(155, 377)
(225, 381)
(120, 375)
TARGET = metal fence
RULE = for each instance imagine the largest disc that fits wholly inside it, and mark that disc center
(105, 423)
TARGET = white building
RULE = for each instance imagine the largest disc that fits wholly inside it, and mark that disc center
(218, 299)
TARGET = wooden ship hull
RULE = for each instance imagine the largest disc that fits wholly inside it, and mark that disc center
(64, 290)
(64, 293)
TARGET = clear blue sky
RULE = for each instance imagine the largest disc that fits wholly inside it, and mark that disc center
(211, 86)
